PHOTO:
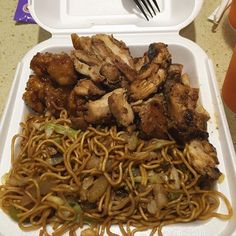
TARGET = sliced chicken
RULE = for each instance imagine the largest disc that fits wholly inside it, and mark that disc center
(90, 71)
(156, 57)
(98, 110)
(120, 108)
(175, 72)
(87, 57)
(148, 70)
(152, 71)
(185, 79)
(203, 158)
(86, 87)
(153, 119)
(106, 49)
(111, 73)
(118, 48)
(158, 53)
(115, 52)
(143, 88)
(128, 72)
(140, 62)
(180, 97)
(81, 42)
(100, 49)
(186, 121)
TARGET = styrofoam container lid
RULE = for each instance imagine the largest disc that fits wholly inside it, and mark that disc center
(108, 16)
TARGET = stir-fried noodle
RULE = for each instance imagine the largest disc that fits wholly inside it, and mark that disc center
(101, 177)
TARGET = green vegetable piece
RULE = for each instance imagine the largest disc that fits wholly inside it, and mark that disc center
(77, 208)
(137, 179)
(173, 196)
(13, 213)
(60, 129)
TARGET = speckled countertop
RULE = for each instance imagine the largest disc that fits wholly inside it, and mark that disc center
(17, 39)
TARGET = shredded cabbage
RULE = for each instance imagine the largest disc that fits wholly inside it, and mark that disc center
(60, 129)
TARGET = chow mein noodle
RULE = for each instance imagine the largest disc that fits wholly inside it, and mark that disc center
(101, 177)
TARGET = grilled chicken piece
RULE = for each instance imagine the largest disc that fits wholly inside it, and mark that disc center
(158, 53)
(148, 70)
(90, 71)
(87, 57)
(129, 72)
(40, 95)
(83, 43)
(114, 52)
(152, 74)
(175, 72)
(153, 119)
(118, 48)
(185, 79)
(59, 67)
(143, 88)
(100, 49)
(140, 62)
(186, 121)
(120, 108)
(98, 111)
(156, 57)
(93, 66)
(86, 87)
(181, 95)
(202, 156)
(79, 122)
(105, 49)
(111, 73)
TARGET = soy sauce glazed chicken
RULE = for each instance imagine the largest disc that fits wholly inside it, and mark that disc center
(100, 84)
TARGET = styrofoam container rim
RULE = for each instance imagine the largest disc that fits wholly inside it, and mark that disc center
(119, 16)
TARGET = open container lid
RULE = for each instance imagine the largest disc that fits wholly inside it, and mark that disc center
(106, 16)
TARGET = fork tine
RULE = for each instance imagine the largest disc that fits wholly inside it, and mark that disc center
(155, 2)
(150, 5)
(146, 6)
(141, 9)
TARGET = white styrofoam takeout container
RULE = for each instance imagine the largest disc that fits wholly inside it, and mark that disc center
(122, 18)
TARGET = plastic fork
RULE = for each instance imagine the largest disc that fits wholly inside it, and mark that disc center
(147, 6)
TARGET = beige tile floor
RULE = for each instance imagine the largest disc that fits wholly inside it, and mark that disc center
(17, 39)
